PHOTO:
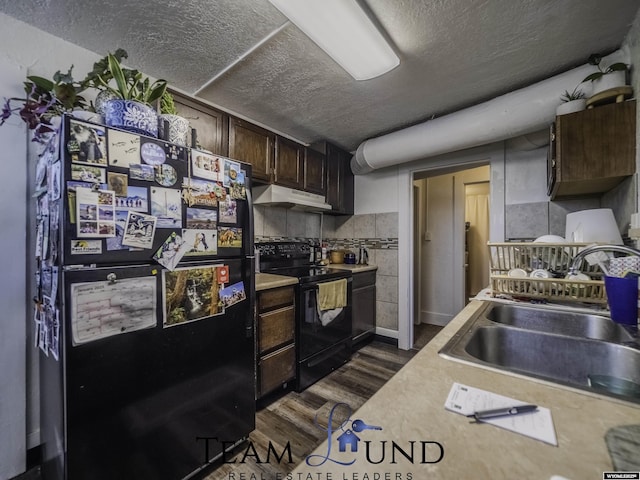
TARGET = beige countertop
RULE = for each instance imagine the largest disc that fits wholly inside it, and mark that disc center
(265, 281)
(410, 408)
(353, 268)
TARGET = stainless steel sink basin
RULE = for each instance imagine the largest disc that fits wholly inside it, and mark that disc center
(566, 348)
(560, 322)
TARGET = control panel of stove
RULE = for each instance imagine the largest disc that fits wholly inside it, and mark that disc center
(283, 249)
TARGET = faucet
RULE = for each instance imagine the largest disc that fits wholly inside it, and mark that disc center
(577, 260)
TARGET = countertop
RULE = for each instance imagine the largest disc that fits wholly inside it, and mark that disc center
(265, 281)
(410, 408)
(353, 268)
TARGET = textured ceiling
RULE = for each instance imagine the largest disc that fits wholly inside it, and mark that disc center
(454, 54)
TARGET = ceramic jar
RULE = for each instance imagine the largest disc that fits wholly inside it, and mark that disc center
(132, 116)
(178, 131)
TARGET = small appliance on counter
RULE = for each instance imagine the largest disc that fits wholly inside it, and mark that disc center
(350, 258)
(363, 256)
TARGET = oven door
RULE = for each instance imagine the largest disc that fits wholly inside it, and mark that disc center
(316, 334)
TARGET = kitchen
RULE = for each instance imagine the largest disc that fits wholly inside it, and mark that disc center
(382, 216)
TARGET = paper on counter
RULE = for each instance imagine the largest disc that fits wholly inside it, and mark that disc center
(467, 400)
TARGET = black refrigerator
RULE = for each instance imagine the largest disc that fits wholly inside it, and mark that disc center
(144, 305)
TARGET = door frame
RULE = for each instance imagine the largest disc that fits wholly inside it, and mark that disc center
(493, 155)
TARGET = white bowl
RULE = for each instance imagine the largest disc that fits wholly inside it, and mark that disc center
(550, 239)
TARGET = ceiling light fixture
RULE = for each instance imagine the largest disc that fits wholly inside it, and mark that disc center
(343, 30)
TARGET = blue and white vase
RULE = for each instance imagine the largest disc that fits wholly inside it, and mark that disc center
(132, 116)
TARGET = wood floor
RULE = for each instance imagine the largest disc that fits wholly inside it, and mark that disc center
(290, 418)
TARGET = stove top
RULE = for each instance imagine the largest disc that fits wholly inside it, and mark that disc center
(293, 260)
(310, 273)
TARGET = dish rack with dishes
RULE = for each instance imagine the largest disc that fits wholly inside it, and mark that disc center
(540, 270)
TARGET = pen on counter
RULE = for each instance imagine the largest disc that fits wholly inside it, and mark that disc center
(503, 412)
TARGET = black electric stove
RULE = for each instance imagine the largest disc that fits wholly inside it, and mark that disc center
(293, 259)
(321, 346)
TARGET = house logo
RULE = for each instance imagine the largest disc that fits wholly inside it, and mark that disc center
(339, 424)
(347, 436)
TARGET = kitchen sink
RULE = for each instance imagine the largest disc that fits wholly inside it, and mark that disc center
(561, 322)
(584, 351)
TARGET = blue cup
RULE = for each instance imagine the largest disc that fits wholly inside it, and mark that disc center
(622, 296)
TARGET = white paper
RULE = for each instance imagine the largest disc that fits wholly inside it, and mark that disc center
(467, 400)
(103, 309)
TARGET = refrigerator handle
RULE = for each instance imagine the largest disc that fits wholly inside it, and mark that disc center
(250, 289)
(250, 234)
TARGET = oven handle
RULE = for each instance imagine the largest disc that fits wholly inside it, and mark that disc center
(314, 285)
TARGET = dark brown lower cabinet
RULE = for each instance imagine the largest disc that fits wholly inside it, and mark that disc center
(275, 328)
(364, 307)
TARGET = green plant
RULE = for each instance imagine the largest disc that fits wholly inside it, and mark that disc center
(45, 99)
(167, 106)
(129, 84)
(595, 59)
(577, 94)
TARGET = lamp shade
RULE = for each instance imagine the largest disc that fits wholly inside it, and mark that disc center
(592, 226)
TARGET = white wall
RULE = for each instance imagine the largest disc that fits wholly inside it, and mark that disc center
(377, 192)
(24, 50)
(13, 321)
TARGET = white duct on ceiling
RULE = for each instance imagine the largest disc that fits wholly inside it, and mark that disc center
(517, 113)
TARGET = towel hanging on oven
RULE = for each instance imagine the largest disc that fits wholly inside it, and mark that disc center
(332, 294)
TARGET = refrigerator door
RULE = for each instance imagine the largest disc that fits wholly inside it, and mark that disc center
(147, 396)
(151, 190)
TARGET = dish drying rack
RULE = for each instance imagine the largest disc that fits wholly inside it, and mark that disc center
(510, 258)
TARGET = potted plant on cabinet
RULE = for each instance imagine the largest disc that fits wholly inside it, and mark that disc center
(45, 100)
(574, 101)
(177, 130)
(615, 75)
(132, 96)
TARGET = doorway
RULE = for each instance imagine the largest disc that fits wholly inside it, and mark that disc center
(441, 240)
(476, 216)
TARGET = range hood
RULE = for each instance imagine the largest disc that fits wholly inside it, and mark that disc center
(279, 196)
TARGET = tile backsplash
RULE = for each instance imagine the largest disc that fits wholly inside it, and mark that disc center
(374, 231)
(378, 232)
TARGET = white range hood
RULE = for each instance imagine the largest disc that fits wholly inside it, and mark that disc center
(279, 196)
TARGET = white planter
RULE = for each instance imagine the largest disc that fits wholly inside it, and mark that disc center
(571, 106)
(178, 129)
(609, 81)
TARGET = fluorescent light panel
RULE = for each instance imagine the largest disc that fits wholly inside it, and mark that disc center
(344, 32)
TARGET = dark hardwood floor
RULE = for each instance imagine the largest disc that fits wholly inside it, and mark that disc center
(290, 418)
(423, 333)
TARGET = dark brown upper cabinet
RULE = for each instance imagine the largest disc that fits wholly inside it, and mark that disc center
(288, 165)
(211, 125)
(339, 178)
(592, 151)
(315, 172)
(252, 144)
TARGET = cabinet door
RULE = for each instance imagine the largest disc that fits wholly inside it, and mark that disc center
(339, 180)
(364, 311)
(315, 164)
(211, 125)
(275, 328)
(252, 144)
(288, 164)
(595, 148)
(276, 369)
